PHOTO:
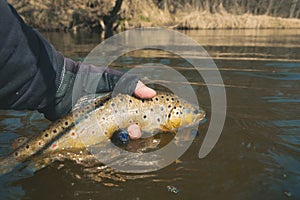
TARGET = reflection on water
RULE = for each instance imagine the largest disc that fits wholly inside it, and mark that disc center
(257, 155)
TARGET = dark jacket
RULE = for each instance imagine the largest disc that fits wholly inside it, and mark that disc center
(31, 69)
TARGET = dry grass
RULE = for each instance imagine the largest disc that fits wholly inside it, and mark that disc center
(198, 20)
(146, 13)
(78, 14)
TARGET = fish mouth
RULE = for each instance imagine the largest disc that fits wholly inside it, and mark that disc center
(200, 119)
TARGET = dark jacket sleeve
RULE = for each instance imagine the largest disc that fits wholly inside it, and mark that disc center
(34, 76)
(27, 64)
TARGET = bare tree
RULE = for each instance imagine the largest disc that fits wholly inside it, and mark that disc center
(270, 7)
(293, 8)
(111, 18)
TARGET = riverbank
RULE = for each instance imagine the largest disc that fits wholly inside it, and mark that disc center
(66, 15)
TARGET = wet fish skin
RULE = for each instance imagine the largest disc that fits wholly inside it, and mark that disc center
(40, 142)
(165, 112)
(58, 127)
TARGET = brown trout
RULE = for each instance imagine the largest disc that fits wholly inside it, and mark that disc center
(97, 121)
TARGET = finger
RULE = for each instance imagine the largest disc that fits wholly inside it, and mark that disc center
(143, 91)
(134, 132)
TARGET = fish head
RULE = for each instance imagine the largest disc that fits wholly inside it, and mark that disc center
(184, 114)
(191, 114)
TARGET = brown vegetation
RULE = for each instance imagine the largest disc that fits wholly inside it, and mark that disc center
(109, 15)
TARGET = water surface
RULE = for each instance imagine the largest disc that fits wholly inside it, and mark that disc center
(257, 155)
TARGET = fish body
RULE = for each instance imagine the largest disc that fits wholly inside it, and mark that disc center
(92, 125)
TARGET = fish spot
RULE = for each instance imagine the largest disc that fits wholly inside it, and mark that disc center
(105, 133)
(101, 104)
(46, 135)
(27, 146)
(169, 115)
(66, 123)
(16, 153)
(172, 98)
(151, 109)
(113, 104)
(54, 146)
(156, 99)
(137, 123)
(162, 108)
(59, 121)
(143, 100)
(136, 111)
(196, 112)
(145, 116)
(158, 119)
(130, 101)
(162, 97)
(167, 99)
(174, 107)
(169, 106)
(177, 113)
(54, 131)
(103, 118)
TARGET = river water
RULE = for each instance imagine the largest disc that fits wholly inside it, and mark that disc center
(257, 155)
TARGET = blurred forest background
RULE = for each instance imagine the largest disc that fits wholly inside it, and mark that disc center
(110, 15)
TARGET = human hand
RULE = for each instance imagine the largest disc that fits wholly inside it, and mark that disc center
(141, 91)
